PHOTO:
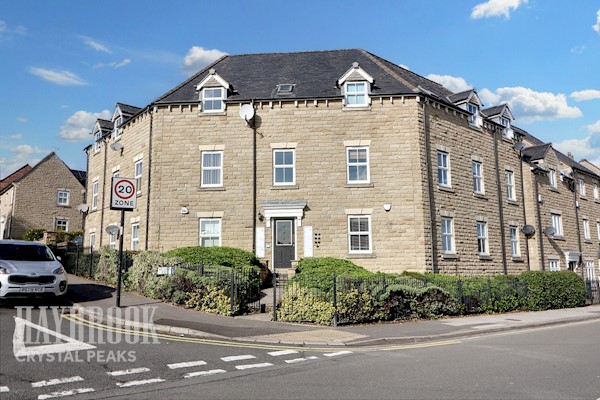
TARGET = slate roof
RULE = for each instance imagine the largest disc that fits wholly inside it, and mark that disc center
(127, 109)
(14, 177)
(574, 164)
(314, 74)
(80, 175)
(106, 127)
(460, 96)
(538, 152)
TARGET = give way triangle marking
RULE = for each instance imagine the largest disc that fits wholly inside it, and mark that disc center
(20, 350)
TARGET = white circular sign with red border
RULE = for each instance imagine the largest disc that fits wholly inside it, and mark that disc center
(123, 194)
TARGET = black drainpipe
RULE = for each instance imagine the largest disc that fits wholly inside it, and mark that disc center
(500, 202)
(429, 177)
(254, 185)
(103, 191)
(539, 218)
(575, 187)
(524, 212)
(150, 111)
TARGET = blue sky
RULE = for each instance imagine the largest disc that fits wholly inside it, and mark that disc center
(66, 63)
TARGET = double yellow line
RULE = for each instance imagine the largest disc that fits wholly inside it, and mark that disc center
(213, 342)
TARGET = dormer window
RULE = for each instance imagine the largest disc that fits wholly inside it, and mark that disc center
(97, 137)
(356, 86)
(212, 99)
(285, 88)
(213, 92)
(116, 130)
(356, 94)
(474, 110)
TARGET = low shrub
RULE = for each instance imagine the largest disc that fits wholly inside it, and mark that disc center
(212, 256)
(356, 307)
(33, 234)
(210, 299)
(551, 290)
(301, 304)
(403, 302)
(106, 269)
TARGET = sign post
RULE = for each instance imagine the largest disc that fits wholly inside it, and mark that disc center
(122, 197)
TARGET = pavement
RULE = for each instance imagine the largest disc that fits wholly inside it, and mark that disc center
(97, 302)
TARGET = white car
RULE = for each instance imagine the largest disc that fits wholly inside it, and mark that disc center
(30, 269)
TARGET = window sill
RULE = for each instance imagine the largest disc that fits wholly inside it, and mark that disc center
(360, 256)
(480, 196)
(450, 256)
(588, 241)
(512, 202)
(446, 189)
(361, 108)
(285, 187)
(518, 259)
(557, 237)
(63, 205)
(211, 189)
(582, 198)
(359, 185)
(553, 189)
(485, 257)
(211, 114)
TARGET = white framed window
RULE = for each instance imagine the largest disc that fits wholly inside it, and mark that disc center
(448, 235)
(586, 229)
(595, 190)
(474, 110)
(477, 169)
(590, 274)
(97, 137)
(112, 240)
(95, 195)
(515, 245)
(557, 224)
(116, 130)
(482, 238)
(357, 159)
(116, 174)
(443, 160)
(213, 99)
(356, 94)
(212, 169)
(552, 178)
(62, 198)
(61, 224)
(359, 234)
(510, 185)
(553, 265)
(210, 232)
(284, 167)
(138, 170)
(581, 184)
(92, 240)
(598, 229)
(135, 236)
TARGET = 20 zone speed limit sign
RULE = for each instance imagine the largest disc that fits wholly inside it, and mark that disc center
(123, 194)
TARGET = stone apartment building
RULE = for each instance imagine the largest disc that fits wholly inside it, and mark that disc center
(328, 153)
(46, 196)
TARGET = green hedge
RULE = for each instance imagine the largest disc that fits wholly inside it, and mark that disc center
(551, 290)
(213, 256)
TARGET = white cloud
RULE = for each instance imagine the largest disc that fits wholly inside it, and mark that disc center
(404, 66)
(6, 32)
(596, 27)
(496, 8)
(22, 120)
(594, 128)
(26, 149)
(453, 83)
(199, 57)
(588, 148)
(114, 64)
(528, 105)
(578, 49)
(584, 95)
(95, 45)
(63, 78)
(21, 155)
(16, 136)
(79, 125)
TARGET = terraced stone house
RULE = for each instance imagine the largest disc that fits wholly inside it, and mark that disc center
(327, 153)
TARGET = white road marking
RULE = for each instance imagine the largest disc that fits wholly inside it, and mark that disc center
(186, 364)
(238, 358)
(4, 389)
(204, 373)
(56, 381)
(248, 366)
(295, 360)
(128, 371)
(64, 393)
(282, 353)
(138, 383)
(338, 353)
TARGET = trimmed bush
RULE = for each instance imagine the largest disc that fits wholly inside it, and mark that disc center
(33, 234)
(213, 256)
(551, 290)
(106, 270)
(301, 304)
(403, 302)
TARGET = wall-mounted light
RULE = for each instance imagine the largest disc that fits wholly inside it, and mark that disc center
(387, 207)
(184, 210)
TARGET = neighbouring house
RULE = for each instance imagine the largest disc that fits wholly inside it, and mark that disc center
(327, 153)
(46, 196)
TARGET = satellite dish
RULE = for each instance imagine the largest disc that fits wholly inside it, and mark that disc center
(116, 146)
(549, 230)
(528, 230)
(83, 207)
(247, 112)
(112, 229)
(518, 146)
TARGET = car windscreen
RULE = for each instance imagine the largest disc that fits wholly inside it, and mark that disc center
(19, 252)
